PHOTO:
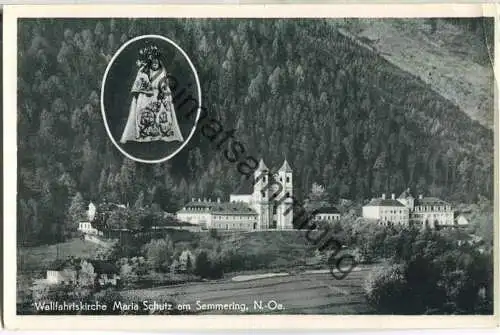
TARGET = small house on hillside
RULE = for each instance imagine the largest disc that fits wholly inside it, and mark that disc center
(62, 272)
(327, 213)
(83, 272)
(87, 228)
(106, 273)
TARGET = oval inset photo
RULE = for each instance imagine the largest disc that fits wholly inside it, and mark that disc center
(150, 99)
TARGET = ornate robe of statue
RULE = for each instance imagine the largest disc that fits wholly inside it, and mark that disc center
(151, 115)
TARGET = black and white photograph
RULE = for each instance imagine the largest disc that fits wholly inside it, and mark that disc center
(254, 166)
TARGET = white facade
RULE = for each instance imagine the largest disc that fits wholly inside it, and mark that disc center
(387, 213)
(108, 279)
(236, 221)
(394, 214)
(329, 214)
(371, 212)
(65, 276)
(217, 215)
(202, 218)
(426, 211)
(432, 214)
(86, 227)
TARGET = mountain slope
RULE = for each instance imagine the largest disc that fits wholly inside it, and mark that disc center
(453, 59)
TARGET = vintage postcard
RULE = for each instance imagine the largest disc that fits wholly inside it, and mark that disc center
(250, 167)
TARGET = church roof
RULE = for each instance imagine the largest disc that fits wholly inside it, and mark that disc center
(285, 167)
(262, 165)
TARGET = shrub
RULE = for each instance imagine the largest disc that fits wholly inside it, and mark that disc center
(208, 267)
(385, 289)
(159, 253)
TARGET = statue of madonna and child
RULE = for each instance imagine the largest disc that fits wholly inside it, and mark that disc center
(151, 114)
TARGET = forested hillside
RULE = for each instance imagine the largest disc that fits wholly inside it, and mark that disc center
(454, 56)
(343, 116)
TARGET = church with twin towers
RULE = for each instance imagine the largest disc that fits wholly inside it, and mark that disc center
(264, 204)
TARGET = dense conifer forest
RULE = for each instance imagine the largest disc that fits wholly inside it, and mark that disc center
(342, 115)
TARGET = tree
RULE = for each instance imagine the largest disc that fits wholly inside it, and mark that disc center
(86, 274)
(126, 180)
(203, 265)
(318, 194)
(139, 203)
(159, 254)
(187, 260)
(189, 264)
(122, 218)
(76, 211)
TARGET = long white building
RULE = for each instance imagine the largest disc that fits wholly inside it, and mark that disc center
(427, 211)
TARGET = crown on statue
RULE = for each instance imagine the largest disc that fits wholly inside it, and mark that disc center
(148, 53)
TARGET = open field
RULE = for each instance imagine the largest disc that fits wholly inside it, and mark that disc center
(315, 293)
(38, 258)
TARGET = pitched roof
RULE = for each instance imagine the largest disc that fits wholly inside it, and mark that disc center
(385, 203)
(103, 267)
(430, 201)
(327, 210)
(246, 211)
(234, 208)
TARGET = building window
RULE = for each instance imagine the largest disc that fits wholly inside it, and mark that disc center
(287, 179)
(262, 194)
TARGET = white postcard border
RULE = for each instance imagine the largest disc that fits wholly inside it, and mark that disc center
(233, 322)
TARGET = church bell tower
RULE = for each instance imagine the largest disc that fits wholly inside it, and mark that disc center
(285, 199)
(261, 196)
